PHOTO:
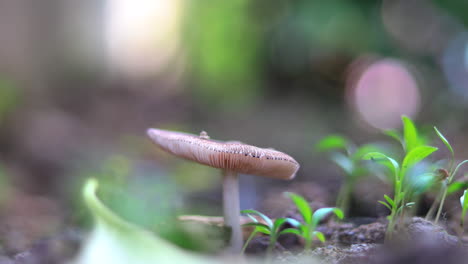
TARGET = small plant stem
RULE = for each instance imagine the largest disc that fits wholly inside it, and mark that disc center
(271, 246)
(430, 213)
(449, 180)
(441, 204)
(342, 200)
(393, 215)
(252, 235)
(308, 244)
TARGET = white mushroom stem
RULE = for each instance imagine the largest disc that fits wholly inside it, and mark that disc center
(232, 209)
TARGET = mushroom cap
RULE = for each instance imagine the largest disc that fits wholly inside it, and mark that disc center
(234, 156)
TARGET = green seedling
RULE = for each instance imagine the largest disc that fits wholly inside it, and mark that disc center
(307, 229)
(268, 227)
(347, 156)
(464, 205)
(415, 152)
(447, 182)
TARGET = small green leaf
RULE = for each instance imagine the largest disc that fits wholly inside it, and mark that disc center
(416, 155)
(394, 134)
(389, 200)
(410, 204)
(445, 141)
(319, 235)
(420, 183)
(302, 206)
(457, 186)
(321, 213)
(343, 162)
(252, 218)
(265, 218)
(332, 142)
(386, 204)
(260, 227)
(464, 202)
(114, 240)
(383, 159)
(410, 134)
(364, 149)
(293, 222)
(290, 231)
(278, 223)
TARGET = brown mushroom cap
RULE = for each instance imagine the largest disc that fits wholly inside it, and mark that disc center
(233, 156)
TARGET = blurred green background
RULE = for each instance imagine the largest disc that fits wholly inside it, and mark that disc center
(81, 81)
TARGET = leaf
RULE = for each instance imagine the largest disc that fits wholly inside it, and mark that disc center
(386, 204)
(364, 149)
(383, 159)
(113, 240)
(321, 213)
(394, 134)
(293, 222)
(414, 156)
(343, 162)
(410, 134)
(252, 218)
(265, 218)
(457, 186)
(291, 231)
(389, 200)
(464, 202)
(302, 206)
(278, 223)
(410, 204)
(332, 142)
(445, 141)
(420, 183)
(319, 235)
(262, 228)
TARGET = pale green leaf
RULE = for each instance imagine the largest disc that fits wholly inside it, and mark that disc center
(394, 134)
(343, 162)
(265, 218)
(383, 159)
(445, 141)
(321, 213)
(113, 240)
(302, 206)
(291, 231)
(319, 235)
(416, 155)
(410, 134)
(385, 204)
(389, 200)
(332, 142)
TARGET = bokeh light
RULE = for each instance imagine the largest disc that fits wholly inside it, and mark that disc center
(142, 36)
(382, 91)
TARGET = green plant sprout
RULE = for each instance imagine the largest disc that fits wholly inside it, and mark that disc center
(464, 205)
(269, 227)
(347, 156)
(307, 229)
(423, 175)
(450, 173)
(415, 152)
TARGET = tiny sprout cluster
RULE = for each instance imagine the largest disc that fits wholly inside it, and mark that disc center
(305, 229)
(409, 174)
(344, 153)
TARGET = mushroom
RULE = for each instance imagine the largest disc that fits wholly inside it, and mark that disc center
(232, 158)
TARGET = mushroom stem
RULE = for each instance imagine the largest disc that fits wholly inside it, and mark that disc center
(232, 209)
